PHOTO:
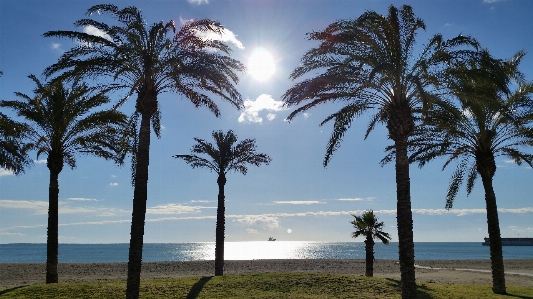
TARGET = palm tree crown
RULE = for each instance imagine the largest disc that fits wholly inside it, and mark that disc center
(367, 225)
(61, 123)
(148, 62)
(225, 155)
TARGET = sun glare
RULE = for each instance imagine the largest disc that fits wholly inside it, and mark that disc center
(261, 65)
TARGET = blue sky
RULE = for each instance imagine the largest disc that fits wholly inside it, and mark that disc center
(294, 198)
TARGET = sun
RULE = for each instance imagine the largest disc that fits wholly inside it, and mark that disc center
(261, 65)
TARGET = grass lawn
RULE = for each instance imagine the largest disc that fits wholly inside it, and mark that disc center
(266, 285)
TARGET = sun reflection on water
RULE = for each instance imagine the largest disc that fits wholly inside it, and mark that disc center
(253, 250)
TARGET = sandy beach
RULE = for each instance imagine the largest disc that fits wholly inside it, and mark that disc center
(518, 272)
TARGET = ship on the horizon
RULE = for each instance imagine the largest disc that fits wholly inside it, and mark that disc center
(271, 239)
(512, 242)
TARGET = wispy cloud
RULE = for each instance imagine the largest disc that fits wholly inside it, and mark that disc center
(173, 209)
(298, 202)
(357, 199)
(198, 2)
(41, 161)
(81, 199)
(264, 102)
(113, 184)
(251, 231)
(41, 208)
(265, 221)
(491, 1)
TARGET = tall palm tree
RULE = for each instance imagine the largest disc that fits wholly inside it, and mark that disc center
(371, 63)
(225, 156)
(61, 123)
(147, 61)
(367, 225)
(490, 122)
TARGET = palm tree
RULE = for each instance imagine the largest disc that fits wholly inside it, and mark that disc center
(62, 122)
(225, 156)
(147, 61)
(490, 122)
(367, 225)
(371, 63)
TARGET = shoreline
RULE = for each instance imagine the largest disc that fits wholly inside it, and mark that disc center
(519, 272)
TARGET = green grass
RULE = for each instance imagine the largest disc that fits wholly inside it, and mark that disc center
(266, 285)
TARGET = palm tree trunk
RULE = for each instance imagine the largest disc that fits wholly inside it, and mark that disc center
(52, 242)
(140, 195)
(496, 253)
(369, 248)
(220, 227)
(404, 219)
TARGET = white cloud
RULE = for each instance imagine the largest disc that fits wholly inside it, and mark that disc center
(96, 32)
(172, 209)
(81, 199)
(41, 208)
(265, 221)
(56, 46)
(41, 161)
(298, 202)
(491, 1)
(357, 199)
(253, 108)
(113, 184)
(202, 201)
(198, 2)
(226, 35)
(5, 172)
(251, 231)
(306, 114)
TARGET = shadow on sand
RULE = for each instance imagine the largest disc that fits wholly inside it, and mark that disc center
(197, 287)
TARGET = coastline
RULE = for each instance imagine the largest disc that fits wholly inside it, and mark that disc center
(519, 272)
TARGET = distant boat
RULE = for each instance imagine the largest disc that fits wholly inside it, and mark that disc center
(512, 242)
(271, 239)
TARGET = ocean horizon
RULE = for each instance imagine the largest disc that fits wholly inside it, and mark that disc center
(252, 250)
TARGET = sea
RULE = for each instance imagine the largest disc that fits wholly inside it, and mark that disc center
(158, 252)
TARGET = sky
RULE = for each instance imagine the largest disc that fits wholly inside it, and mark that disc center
(294, 198)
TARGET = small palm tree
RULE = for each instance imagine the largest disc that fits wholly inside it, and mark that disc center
(371, 64)
(367, 225)
(60, 123)
(225, 156)
(490, 122)
(148, 61)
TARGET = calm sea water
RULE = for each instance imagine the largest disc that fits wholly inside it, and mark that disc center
(90, 253)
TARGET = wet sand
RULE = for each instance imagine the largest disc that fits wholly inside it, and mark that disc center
(518, 272)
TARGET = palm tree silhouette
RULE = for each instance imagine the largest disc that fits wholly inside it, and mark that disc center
(367, 225)
(61, 122)
(223, 157)
(371, 63)
(492, 120)
(147, 62)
